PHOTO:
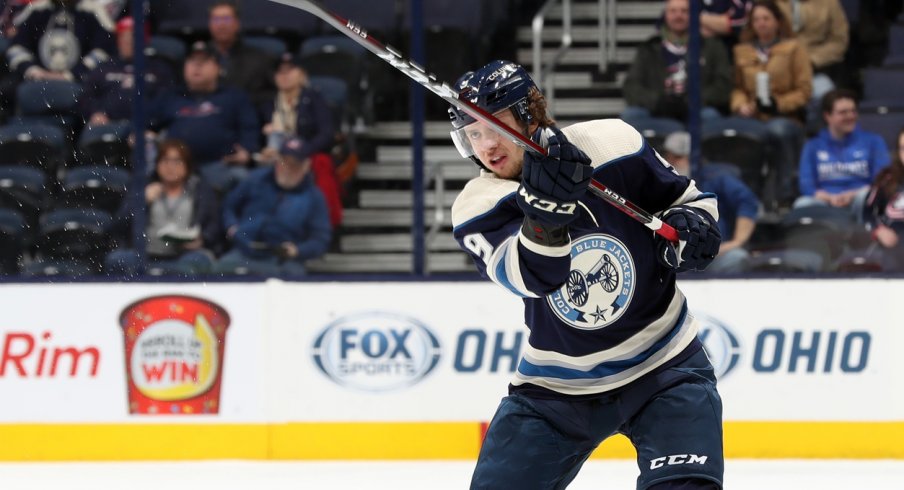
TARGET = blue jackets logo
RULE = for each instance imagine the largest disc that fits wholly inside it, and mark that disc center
(376, 351)
(600, 285)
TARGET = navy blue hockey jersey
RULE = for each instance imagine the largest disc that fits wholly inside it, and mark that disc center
(602, 310)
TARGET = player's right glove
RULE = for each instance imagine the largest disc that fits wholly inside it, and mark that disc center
(698, 240)
(552, 185)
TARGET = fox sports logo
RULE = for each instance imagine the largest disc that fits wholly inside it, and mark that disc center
(720, 343)
(376, 351)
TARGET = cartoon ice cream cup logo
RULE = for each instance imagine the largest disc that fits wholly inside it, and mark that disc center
(174, 354)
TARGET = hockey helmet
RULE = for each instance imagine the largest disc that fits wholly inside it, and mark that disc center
(497, 86)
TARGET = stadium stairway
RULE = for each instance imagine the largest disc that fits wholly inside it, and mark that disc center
(375, 235)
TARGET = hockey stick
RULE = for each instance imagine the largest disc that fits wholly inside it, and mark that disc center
(428, 80)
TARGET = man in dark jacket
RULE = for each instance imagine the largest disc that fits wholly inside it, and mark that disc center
(241, 66)
(276, 218)
(656, 84)
(217, 122)
(107, 91)
(60, 39)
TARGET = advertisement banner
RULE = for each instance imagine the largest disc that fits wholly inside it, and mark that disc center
(784, 350)
(131, 353)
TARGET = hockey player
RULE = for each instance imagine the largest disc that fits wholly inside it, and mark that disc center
(612, 346)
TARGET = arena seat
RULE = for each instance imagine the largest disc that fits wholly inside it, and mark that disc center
(49, 101)
(106, 144)
(37, 145)
(13, 230)
(23, 189)
(95, 186)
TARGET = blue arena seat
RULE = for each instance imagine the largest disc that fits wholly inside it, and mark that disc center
(886, 125)
(187, 19)
(266, 18)
(725, 142)
(13, 231)
(335, 92)
(106, 144)
(273, 46)
(880, 82)
(23, 189)
(168, 48)
(38, 145)
(97, 187)
(74, 234)
(48, 101)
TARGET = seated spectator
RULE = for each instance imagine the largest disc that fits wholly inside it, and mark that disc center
(885, 212)
(60, 39)
(218, 123)
(822, 27)
(772, 84)
(738, 205)
(276, 218)
(839, 164)
(183, 219)
(724, 19)
(243, 67)
(656, 84)
(296, 110)
(107, 90)
(299, 110)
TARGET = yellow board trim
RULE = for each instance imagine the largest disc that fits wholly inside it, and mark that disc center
(401, 441)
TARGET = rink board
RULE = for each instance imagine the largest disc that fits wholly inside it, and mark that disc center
(407, 370)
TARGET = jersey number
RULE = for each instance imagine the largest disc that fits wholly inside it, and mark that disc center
(476, 243)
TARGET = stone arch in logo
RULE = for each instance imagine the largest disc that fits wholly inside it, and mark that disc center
(600, 285)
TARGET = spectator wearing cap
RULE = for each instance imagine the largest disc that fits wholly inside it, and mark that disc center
(297, 110)
(241, 66)
(277, 218)
(107, 90)
(217, 122)
(60, 39)
(739, 207)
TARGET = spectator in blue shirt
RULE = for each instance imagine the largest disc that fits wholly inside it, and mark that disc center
(107, 90)
(839, 164)
(277, 218)
(218, 123)
(739, 207)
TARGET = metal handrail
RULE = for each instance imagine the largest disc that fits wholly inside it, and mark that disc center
(607, 34)
(540, 72)
(435, 173)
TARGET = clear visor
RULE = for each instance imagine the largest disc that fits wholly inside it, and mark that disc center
(472, 136)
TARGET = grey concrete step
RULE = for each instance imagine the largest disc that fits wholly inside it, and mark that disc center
(586, 108)
(432, 153)
(379, 218)
(403, 171)
(576, 56)
(552, 35)
(623, 11)
(389, 262)
(393, 242)
(374, 198)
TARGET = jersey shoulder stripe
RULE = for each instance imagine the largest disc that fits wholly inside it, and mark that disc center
(605, 141)
(480, 197)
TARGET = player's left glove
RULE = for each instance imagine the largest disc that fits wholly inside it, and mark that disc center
(698, 239)
(552, 185)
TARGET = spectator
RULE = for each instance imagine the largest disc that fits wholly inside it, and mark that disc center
(107, 91)
(656, 84)
(839, 164)
(822, 27)
(738, 205)
(183, 221)
(60, 39)
(724, 19)
(772, 84)
(299, 110)
(277, 218)
(218, 123)
(241, 66)
(885, 211)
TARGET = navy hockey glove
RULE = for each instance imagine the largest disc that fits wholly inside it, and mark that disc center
(698, 240)
(552, 185)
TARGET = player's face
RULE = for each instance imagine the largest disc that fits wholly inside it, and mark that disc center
(496, 152)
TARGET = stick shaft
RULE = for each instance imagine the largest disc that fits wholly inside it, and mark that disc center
(447, 93)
